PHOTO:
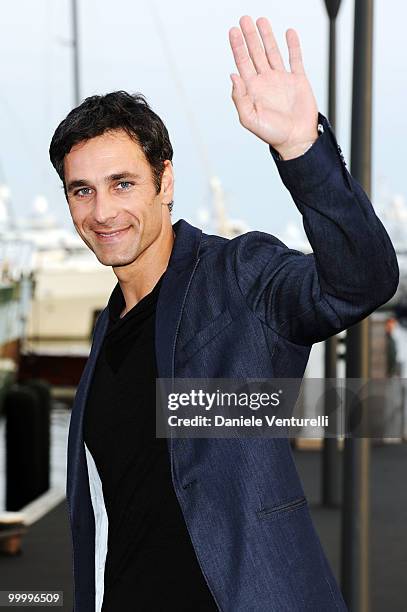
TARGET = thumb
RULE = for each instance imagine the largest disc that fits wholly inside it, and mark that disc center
(242, 101)
(239, 88)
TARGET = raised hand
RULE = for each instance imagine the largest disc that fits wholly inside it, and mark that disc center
(276, 105)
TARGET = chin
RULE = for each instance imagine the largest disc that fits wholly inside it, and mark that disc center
(115, 261)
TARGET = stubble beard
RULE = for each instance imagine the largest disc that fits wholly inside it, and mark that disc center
(117, 260)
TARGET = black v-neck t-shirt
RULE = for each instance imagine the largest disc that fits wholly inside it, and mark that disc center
(151, 565)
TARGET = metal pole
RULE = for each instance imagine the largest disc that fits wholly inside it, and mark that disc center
(75, 48)
(331, 494)
(330, 453)
(355, 514)
(332, 73)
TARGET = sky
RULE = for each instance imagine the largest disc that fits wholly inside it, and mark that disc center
(178, 55)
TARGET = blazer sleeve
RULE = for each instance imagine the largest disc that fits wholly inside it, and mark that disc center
(352, 270)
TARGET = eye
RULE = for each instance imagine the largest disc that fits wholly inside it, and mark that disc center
(124, 185)
(83, 192)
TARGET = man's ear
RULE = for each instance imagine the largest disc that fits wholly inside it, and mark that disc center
(167, 182)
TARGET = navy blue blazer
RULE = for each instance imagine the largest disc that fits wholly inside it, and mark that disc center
(251, 307)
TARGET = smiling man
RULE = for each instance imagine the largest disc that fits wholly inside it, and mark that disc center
(206, 524)
(116, 194)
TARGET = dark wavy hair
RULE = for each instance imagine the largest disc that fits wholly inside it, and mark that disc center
(114, 111)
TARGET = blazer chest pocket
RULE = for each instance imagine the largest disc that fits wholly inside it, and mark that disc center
(205, 335)
(280, 510)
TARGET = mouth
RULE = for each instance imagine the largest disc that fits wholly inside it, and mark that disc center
(111, 236)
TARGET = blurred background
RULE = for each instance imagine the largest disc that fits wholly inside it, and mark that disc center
(57, 52)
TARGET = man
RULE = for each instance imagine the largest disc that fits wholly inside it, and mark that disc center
(206, 524)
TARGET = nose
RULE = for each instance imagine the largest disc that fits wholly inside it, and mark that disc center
(104, 209)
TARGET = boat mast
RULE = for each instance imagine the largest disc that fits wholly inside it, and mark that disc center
(75, 49)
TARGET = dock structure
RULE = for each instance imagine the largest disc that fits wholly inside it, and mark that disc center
(46, 558)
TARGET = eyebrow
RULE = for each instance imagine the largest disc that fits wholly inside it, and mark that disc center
(111, 178)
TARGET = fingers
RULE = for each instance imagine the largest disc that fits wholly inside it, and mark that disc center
(248, 50)
(254, 55)
(241, 57)
(294, 52)
(270, 45)
(254, 45)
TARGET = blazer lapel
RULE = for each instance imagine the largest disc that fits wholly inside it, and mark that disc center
(181, 267)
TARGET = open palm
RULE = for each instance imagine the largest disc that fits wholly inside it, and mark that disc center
(276, 105)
